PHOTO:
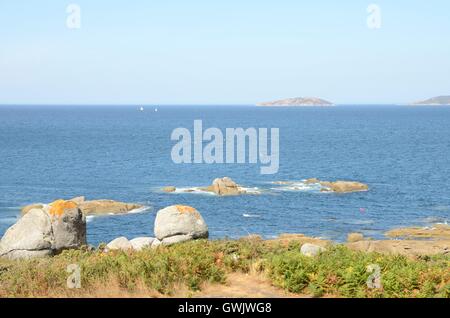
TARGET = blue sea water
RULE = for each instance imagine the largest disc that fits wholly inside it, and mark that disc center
(121, 153)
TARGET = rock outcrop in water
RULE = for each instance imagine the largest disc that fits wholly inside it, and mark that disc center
(179, 223)
(94, 207)
(45, 231)
(225, 186)
(298, 101)
(221, 186)
(330, 186)
(343, 186)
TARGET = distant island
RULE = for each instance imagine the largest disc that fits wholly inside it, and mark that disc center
(298, 101)
(435, 101)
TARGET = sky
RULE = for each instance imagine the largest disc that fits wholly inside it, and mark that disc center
(223, 52)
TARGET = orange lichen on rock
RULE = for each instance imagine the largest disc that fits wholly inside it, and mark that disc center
(185, 209)
(59, 206)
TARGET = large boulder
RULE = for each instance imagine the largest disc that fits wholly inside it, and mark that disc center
(179, 223)
(94, 207)
(120, 243)
(310, 250)
(226, 186)
(140, 243)
(45, 232)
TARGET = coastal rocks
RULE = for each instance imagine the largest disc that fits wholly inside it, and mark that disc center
(310, 250)
(30, 207)
(120, 243)
(355, 237)
(220, 186)
(45, 232)
(344, 186)
(169, 189)
(136, 244)
(140, 243)
(95, 207)
(324, 186)
(179, 223)
(226, 186)
(437, 231)
(411, 248)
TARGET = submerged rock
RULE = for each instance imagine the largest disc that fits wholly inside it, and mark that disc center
(169, 189)
(179, 223)
(45, 232)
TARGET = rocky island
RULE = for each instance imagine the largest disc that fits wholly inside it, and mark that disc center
(435, 101)
(298, 101)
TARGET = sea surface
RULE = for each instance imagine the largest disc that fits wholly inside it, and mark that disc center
(122, 153)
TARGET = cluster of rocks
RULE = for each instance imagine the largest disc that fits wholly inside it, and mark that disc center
(93, 207)
(174, 224)
(221, 186)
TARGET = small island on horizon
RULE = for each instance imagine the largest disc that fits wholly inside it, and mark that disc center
(298, 101)
(435, 101)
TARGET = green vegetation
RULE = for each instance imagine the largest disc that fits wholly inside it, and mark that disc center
(338, 272)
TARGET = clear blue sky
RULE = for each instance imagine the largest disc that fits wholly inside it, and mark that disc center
(227, 52)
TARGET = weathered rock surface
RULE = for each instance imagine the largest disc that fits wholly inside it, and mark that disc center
(403, 247)
(344, 186)
(140, 243)
(309, 249)
(95, 207)
(226, 186)
(30, 207)
(355, 237)
(120, 243)
(179, 223)
(44, 232)
(437, 231)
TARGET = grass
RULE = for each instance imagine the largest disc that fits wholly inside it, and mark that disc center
(165, 271)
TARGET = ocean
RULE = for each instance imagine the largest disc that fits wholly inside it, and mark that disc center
(124, 154)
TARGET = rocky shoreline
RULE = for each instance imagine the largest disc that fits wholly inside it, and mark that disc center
(48, 229)
(61, 225)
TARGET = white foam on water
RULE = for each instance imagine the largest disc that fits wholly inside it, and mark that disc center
(89, 218)
(245, 215)
(298, 186)
(434, 220)
(360, 222)
(193, 190)
(139, 210)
